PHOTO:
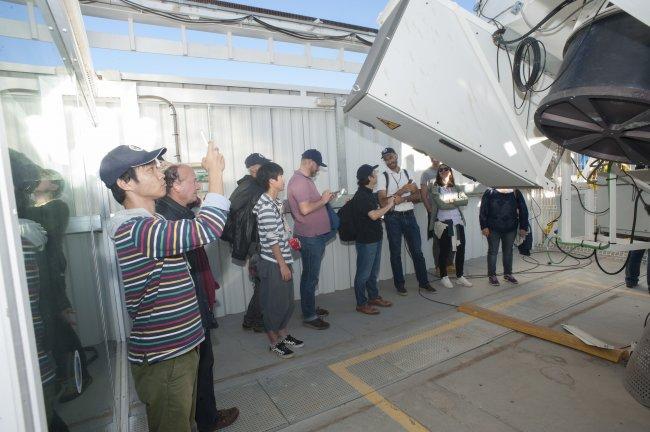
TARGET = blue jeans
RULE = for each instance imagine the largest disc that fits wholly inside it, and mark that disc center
(506, 239)
(312, 251)
(368, 261)
(398, 224)
(633, 268)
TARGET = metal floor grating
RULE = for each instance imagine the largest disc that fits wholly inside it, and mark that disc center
(377, 372)
(304, 392)
(274, 402)
(256, 410)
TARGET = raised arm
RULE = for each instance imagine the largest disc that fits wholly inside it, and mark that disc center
(157, 238)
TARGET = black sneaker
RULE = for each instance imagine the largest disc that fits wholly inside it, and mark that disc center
(317, 324)
(401, 290)
(256, 327)
(322, 312)
(293, 342)
(428, 287)
(281, 350)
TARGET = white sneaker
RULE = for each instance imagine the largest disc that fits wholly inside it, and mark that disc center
(463, 281)
(446, 282)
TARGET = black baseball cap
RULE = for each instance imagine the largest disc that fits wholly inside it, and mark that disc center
(387, 150)
(255, 159)
(314, 155)
(121, 158)
(365, 170)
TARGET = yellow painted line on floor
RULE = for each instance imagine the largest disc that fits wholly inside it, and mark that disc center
(459, 322)
(407, 422)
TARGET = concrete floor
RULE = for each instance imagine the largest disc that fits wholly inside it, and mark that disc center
(421, 365)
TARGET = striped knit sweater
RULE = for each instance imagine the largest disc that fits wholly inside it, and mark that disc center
(272, 228)
(34, 288)
(158, 288)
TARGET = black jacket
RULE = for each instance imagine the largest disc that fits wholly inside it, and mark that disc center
(172, 210)
(241, 226)
(503, 212)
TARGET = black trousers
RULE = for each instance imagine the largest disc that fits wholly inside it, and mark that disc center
(65, 342)
(253, 314)
(206, 405)
(445, 250)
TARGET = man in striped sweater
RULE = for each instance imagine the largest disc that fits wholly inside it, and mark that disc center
(158, 288)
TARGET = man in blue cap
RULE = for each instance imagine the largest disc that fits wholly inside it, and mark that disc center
(158, 288)
(313, 229)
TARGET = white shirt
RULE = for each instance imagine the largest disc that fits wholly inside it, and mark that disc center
(396, 180)
(452, 214)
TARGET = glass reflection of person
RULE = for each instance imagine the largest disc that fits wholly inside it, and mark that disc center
(25, 176)
(53, 214)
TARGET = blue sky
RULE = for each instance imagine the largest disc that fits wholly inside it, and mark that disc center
(360, 12)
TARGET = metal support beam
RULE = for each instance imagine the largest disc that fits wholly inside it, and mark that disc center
(612, 207)
(567, 190)
(590, 218)
(184, 47)
(68, 33)
(33, 26)
(339, 123)
(117, 10)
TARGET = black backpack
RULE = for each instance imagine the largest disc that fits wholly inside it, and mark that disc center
(347, 232)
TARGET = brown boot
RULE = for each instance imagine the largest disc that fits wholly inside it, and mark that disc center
(379, 302)
(226, 418)
(367, 309)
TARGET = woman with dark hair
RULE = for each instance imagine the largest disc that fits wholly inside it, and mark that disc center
(448, 198)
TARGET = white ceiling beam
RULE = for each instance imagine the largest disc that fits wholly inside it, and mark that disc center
(114, 9)
(181, 47)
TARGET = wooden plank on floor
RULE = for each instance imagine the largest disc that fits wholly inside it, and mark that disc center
(549, 334)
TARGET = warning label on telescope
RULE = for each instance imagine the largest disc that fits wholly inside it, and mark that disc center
(389, 124)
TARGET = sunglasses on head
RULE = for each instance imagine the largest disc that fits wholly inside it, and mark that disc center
(442, 169)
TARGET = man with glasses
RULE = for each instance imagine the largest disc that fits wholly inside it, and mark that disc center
(155, 278)
(396, 182)
(182, 187)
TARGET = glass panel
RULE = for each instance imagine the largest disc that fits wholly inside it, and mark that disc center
(53, 161)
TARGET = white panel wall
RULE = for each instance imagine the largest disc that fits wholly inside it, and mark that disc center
(283, 134)
(279, 133)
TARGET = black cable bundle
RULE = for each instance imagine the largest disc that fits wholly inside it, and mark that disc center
(528, 52)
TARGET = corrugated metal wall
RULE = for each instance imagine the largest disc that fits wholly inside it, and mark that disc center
(283, 134)
(280, 133)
